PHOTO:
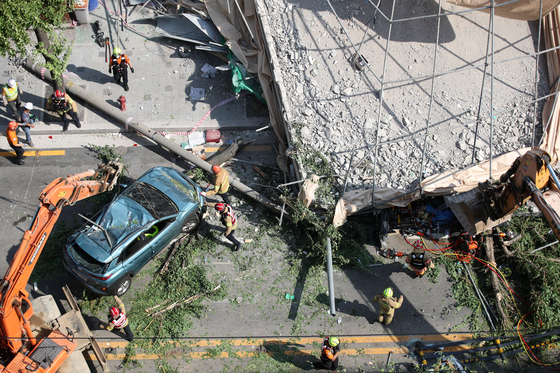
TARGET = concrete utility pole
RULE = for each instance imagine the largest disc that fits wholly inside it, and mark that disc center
(130, 123)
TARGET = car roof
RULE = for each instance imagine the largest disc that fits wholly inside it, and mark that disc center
(124, 215)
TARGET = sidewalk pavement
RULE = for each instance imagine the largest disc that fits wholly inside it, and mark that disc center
(159, 88)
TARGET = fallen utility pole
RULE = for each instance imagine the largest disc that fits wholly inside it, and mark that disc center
(130, 123)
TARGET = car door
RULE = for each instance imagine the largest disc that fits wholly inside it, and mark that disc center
(136, 254)
(170, 228)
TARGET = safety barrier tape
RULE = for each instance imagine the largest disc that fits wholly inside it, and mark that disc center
(128, 120)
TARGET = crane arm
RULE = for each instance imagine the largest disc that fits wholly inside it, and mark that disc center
(15, 308)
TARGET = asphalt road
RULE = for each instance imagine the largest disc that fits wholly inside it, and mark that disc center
(255, 316)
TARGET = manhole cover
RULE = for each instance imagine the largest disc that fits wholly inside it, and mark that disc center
(120, 150)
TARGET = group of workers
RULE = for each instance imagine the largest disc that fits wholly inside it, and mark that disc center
(419, 262)
(59, 102)
(227, 216)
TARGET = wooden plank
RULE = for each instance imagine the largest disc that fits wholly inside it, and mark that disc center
(260, 172)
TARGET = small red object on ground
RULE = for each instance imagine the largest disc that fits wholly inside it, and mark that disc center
(213, 135)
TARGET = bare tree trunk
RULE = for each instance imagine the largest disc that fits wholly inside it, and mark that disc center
(58, 81)
(495, 284)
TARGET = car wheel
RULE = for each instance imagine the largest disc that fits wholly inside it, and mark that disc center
(189, 225)
(123, 286)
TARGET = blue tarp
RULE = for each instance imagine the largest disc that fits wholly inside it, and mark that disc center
(445, 216)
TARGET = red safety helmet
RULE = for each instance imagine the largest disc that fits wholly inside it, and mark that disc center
(114, 311)
(216, 169)
(220, 206)
(418, 245)
(12, 125)
(58, 94)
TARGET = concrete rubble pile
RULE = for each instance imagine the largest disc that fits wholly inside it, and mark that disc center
(334, 108)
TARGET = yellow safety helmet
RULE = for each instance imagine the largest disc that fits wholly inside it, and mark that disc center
(333, 341)
(117, 51)
(388, 293)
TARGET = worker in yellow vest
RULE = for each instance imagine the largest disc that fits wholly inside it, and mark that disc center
(10, 96)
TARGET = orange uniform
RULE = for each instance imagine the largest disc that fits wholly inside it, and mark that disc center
(116, 60)
(14, 143)
(12, 137)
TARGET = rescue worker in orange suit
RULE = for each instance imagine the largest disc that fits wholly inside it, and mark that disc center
(418, 260)
(14, 142)
(63, 104)
(387, 305)
(119, 65)
(221, 184)
(229, 220)
(329, 354)
(10, 96)
(118, 319)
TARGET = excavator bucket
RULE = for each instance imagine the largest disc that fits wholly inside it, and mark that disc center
(110, 173)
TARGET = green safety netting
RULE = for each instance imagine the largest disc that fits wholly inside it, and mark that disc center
(242, 80)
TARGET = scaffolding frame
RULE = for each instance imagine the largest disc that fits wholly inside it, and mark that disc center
(489, 61)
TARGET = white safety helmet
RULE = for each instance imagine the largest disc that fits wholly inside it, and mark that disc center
(11, 83)
(29, 106)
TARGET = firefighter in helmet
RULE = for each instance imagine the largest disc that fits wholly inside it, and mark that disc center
(118, 319)
(63, 104)
(387, 305)
(229, 220)
(419, 260)
(221, 184)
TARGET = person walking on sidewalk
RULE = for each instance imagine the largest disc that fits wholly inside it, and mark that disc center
(329, 354)
(10, 96)
(387, 305)
(221, 184)
(119, 65)
(27, 120)
(63, 104)
(118, 319)
(229, 220)
(14, 142)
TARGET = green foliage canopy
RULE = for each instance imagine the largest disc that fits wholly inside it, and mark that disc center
(19, 16)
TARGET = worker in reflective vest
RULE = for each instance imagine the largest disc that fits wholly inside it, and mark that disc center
(329, 354)
(229, 220)
(119, 65)
(10, 96)
(387, 305)
(118, 319)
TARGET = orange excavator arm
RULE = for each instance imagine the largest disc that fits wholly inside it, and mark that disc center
(530, 177)
(15, 307)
